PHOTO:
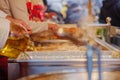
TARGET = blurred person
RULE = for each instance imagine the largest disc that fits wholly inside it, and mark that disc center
(17, 10)
(75, 13)
(64, 9)
(5, 28)
(8, 26)
(78, 11)
(110, 8)
(56, 8)
(97, 4)
(4, 32)
(15, 21)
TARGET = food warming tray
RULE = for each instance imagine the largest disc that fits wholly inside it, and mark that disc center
(66, 56)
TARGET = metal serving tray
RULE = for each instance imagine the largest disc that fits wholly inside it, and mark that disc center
(66, 56)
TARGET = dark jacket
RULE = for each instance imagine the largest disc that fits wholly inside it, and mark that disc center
(3, 68)
(110, 8)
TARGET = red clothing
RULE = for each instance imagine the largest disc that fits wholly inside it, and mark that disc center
(3, 68)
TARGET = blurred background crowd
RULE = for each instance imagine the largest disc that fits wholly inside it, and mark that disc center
(73, 11)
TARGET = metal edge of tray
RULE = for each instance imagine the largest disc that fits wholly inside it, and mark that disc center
(54, 41)
(68, 61)
(107, 45)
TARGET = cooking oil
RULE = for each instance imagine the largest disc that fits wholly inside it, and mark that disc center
(14, 46)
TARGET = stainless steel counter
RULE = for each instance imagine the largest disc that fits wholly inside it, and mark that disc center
(44, 62)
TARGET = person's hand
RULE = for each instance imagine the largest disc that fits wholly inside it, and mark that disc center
(17, 30)
(53, 26)
(20, 23)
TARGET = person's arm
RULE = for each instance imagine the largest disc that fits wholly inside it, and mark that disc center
(15, 21)
(4, 31)
(2, 14)
(5, 7)
(6, 13)
(19, 22)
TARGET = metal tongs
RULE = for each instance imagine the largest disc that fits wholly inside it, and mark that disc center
(93, 49)
(60, 32)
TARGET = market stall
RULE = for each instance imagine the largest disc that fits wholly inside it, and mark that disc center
(68, 51)
(52, 53)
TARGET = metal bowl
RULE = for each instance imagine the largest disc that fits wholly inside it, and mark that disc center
(74, 75)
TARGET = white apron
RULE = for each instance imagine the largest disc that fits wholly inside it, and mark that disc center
(4, 31)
